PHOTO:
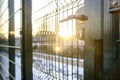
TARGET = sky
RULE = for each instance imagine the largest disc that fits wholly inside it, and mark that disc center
(48, 7)
(41, 8)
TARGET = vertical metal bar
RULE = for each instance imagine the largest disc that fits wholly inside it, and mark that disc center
(52, 48)
(119, 49)
(98, 59)
(49, 38)
(1, 69)
(72, 45)
(77, 50)
(0, 50)
(11, 39)
(46, 42)
(89, 65)
(56, 26)
(63, 47)
(62, 60)
(77, 58)
(26, 40)
(40, 47)
(44, 45)
(67, 46)
(59, 61)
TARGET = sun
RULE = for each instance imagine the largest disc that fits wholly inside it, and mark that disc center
(67, 29)
(65, 33)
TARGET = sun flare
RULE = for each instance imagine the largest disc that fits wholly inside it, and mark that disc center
(67, 29)
(65, 33)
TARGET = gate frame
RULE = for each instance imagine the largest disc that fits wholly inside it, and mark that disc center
(27, 40)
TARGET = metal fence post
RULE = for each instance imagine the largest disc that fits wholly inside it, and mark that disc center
(26, 40)
(0, 68)
(11, 39)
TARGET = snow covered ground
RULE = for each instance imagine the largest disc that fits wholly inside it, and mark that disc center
(54, 68)
(60, 68)
(5, 66)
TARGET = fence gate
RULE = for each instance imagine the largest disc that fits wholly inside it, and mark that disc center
(58, 39)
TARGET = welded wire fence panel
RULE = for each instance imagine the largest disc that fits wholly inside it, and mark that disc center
(58, 39)
(10, 40)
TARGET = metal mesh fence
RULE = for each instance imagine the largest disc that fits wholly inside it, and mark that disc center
(57, 28)
(10, 49)
(58, 39)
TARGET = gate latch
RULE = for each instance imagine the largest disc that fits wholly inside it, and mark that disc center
(114, 6)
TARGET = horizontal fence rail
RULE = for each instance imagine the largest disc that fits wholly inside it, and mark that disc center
(15, 47)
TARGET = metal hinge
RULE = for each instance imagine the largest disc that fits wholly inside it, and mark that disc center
(114, 6)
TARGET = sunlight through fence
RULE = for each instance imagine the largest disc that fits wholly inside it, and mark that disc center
(58, 39)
